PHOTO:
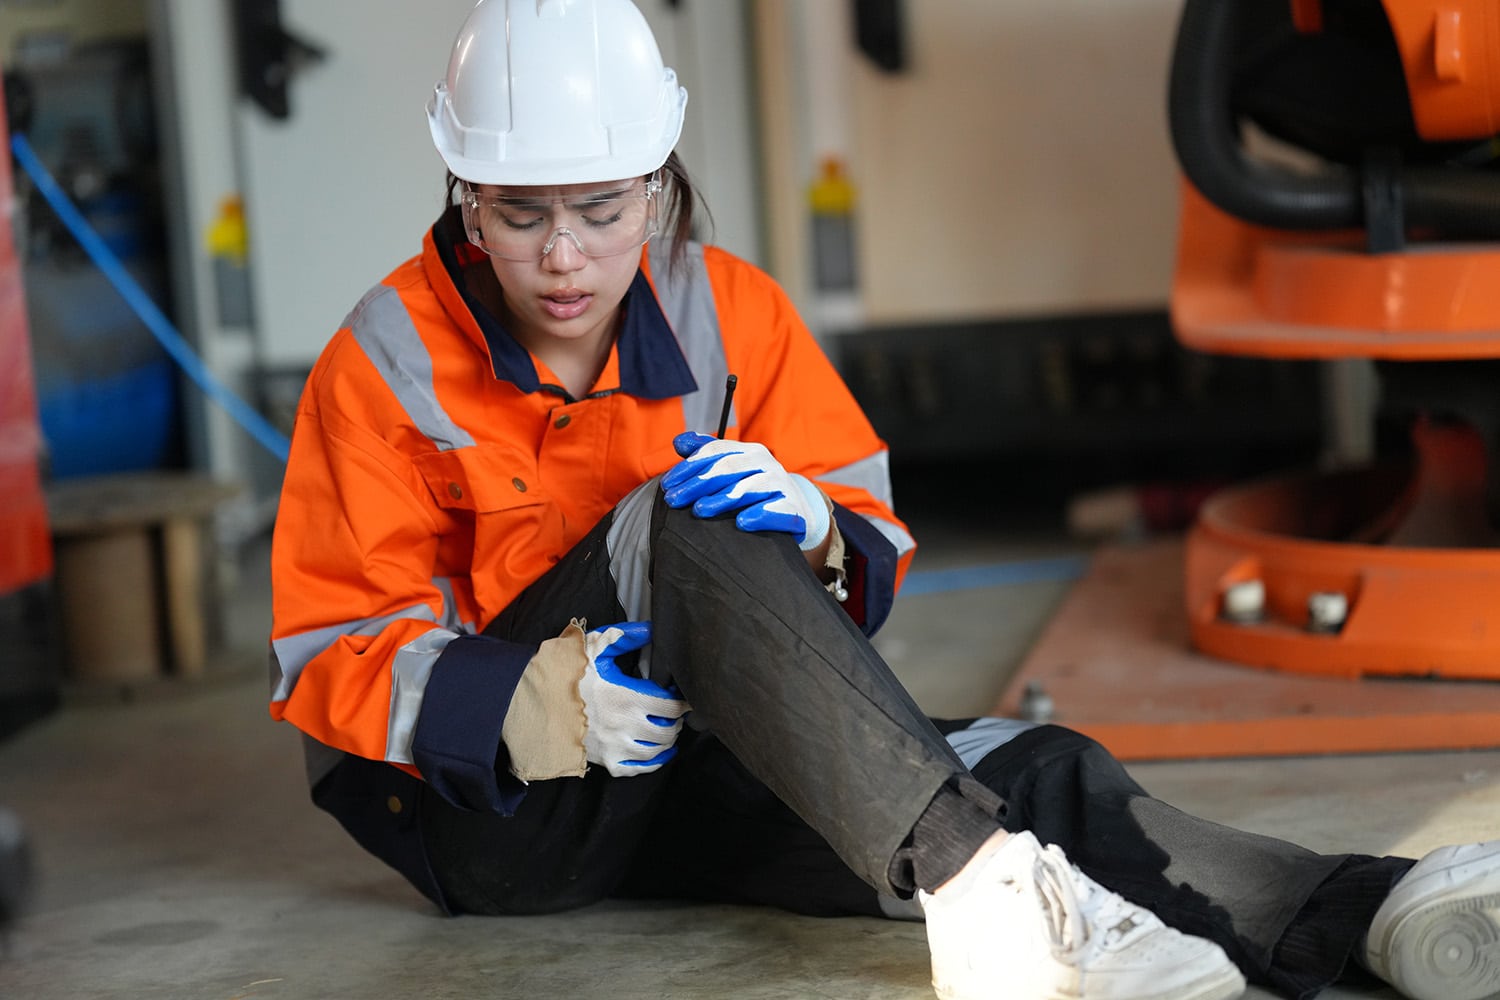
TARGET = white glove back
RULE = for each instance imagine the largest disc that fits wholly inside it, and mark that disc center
(632, 722)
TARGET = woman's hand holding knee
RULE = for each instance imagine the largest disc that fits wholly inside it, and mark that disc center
(716, 476)
(632, 722)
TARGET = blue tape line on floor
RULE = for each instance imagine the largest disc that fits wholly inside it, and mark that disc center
(995, 575)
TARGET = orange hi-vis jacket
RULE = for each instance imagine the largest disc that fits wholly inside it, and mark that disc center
(436, 470)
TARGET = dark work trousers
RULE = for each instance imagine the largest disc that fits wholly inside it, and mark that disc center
(807, 766)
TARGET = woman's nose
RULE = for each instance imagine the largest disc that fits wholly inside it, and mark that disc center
(564, 251)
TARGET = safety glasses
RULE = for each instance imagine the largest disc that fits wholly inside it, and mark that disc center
(521, 227)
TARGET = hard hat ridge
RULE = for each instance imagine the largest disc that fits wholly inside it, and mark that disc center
(555, 92)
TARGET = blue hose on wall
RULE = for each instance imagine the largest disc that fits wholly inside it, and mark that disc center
(161, 328)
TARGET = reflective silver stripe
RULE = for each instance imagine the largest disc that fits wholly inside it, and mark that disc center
(410, 669)
(450, 620)
(409, 673)
(873, 475)
(383, 329)
(894, 534)
(687, 301)
(291, 654)
(983, 735)
(385, 332)
(629, 546)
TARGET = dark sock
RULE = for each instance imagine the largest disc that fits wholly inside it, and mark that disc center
(949, 832)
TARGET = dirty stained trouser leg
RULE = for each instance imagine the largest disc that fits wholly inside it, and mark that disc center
(771, 664)
(1288, 917)
(807, 715)
(777, 671)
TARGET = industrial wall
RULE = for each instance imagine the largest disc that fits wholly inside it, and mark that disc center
(1015, 230)
(1018, 163)
(1022, 165)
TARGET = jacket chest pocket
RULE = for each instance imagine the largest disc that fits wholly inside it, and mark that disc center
(482, 479)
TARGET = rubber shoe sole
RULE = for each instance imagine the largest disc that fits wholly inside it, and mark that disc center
(1441, 941)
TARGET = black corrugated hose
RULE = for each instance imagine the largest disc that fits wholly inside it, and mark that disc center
(1449, 201)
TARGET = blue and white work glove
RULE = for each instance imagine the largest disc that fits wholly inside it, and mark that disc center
(716, 476)
(632, 722)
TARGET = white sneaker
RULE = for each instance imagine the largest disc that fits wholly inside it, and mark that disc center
(1022, 923)
(1437, 935)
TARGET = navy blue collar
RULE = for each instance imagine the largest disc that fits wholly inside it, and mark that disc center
(651, 361)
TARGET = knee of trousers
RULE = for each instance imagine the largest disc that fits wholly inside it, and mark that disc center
(639, 518)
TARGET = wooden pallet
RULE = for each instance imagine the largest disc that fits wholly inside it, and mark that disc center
(131, 552)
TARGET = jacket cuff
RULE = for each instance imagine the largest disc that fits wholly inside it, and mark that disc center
(546, 723)
(870, 568)
(456, 745)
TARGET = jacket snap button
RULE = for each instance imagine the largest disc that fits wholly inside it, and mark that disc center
(393, 804)
(455, 491)
(562, 421)
(519, 484)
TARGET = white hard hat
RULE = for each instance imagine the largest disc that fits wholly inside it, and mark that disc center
(555, 92)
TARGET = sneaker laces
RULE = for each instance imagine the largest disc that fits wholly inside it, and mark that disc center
(1052, 875)
(1071, 916)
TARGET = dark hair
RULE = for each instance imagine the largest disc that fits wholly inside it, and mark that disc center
(679, 202)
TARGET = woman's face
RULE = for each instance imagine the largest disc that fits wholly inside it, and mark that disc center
(564, 256)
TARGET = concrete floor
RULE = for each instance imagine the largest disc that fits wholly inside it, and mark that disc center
(179, 859)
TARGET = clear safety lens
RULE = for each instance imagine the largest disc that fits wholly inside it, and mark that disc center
(524, 228)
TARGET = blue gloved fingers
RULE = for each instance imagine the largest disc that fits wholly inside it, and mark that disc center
(764, 516)
(723, 476)
(633, 635)
(690, 441)
(652, 763)
(731, 499)
(604, 644)
(659, 731)
(721, 468)
(661, 728)
(808, 520)
(706, 449)
(624, 637)
(686, 470)
(687, 445)
(696, 487)
(802, 514)
(642, 731)
(757, 512)
(638, 751)
(713, 468)
(631, 722)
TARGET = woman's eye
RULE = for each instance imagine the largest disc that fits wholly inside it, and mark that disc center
(521, 221)
(600, 222)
